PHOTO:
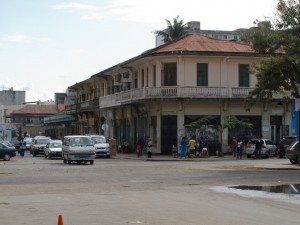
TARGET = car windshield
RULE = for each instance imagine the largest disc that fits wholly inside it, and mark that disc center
(80, 141)
(269, 142)
(99, 139)
(252, 142)
(42, 141)
(7, 143)
(55, 145)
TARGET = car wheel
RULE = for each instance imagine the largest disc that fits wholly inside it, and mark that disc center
(64, 160)
(6, 157)
(49, 156)
(45, 155)
(92, 162)
(69, 161)
(34, 154)
(293, 161)
(108, 156)
(248, 155)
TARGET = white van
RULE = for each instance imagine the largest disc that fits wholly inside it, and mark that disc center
(78, 148)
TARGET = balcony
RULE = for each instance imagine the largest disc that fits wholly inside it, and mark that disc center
(83, 106)
(173, 92)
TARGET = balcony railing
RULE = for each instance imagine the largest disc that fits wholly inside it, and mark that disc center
(172, 92)
(162, 92)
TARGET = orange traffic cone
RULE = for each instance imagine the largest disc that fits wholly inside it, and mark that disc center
(60, 220)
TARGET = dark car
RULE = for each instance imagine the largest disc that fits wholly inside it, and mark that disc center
(292, 152)
(6, 152)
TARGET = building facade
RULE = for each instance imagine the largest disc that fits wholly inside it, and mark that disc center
(162, 91)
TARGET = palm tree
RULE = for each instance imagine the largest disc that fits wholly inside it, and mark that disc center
(173, 31)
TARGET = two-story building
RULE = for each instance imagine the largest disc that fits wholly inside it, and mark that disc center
(160, 92)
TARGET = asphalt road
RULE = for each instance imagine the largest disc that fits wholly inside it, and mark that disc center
(127, 190)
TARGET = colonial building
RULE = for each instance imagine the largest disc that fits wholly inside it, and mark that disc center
(160, 92)
(30, 118)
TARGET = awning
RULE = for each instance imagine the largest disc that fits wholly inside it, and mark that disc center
(59, 118)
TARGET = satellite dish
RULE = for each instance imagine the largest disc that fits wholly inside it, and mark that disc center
(105, 127)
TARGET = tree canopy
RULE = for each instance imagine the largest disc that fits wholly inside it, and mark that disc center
(279, 72)
(174, 31)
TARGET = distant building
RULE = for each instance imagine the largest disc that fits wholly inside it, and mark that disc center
(11, 97)
(59, 98)
(31, 117)
(194, 28)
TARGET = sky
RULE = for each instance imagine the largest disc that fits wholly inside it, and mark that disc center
(49, 45)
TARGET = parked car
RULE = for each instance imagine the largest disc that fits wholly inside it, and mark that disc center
(6, 151)
(32, 142)
(53, 149)
(78, 148)
(101, 145)
(292, 152)
(28, 141)
(284, 145)
(7, 143)
(39, 145)
(268, 148)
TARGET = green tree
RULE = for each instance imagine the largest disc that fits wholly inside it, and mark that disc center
(279, 72)
(173, 31)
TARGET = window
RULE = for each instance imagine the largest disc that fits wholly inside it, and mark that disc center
(244, 75)
(169, 77)
(202, 74)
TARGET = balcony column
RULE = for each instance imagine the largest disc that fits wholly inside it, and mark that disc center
(158, 130)
(158, 73)
(180, 123)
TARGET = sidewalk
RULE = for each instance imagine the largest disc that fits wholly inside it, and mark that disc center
(269, 163)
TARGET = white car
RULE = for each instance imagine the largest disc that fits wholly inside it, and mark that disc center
(53, 149)
(101, 145)
(268, 148)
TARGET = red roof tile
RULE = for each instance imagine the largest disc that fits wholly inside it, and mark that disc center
(200, 43)
(40, 109)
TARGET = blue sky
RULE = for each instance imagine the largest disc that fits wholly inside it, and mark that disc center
(48, 45)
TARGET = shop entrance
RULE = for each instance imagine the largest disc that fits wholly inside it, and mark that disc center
(168, 134)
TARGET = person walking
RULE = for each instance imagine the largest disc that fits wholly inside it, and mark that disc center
(140, 146)
(258, 144)
(22, 148)
(149, 145)
(240, 148)
(183, 147)
(234, 145)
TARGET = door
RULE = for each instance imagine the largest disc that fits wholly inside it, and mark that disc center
(168, 134)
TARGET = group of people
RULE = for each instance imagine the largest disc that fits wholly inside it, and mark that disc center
(238, 146)
(144, 146)
(191, 148)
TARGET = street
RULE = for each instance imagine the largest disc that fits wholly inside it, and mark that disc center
(130, 190)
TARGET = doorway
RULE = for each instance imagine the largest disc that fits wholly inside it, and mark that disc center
(168, 134)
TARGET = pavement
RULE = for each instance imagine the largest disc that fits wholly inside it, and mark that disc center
(273, 163)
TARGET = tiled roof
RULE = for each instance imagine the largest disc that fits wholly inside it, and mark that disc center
(200, 43)
(40, 109)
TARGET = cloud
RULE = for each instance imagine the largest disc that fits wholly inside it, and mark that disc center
(19, 38)
(23, 38)
(75, 5)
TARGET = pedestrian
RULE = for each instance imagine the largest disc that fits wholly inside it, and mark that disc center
(22, 148)
(240, 148)
(149, 145)
(192, 147)
(183, 147)
(258, 144)
(234, 145)
(140, 145)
